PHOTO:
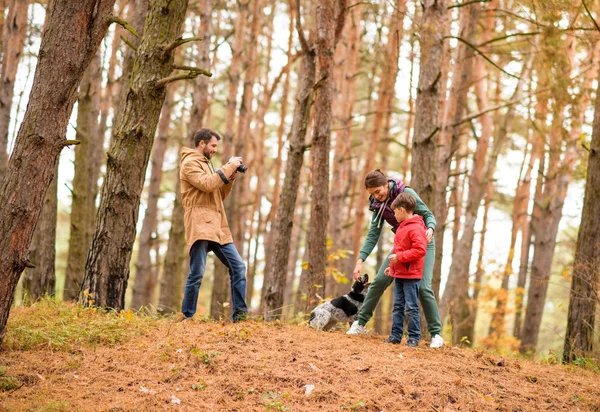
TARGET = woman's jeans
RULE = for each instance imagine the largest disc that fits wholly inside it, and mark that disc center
(230, 257)
(426, 296)
(406, 300)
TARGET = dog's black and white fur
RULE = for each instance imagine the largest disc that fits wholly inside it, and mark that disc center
(342, 309)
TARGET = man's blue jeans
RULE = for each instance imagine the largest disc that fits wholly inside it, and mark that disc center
(230, 257)
(406, 300)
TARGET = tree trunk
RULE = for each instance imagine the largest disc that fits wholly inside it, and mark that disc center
(278, 160)
(450, 140)
(579, 338)
(273, 292)
(388, 76)
(40, 280)
(549, 206)
(145, 281)
(82, 25)
(85, 181)
(349, 65)
(107, 266)
(13, 35)
(171, 287)
(326, 26)
(432, 29)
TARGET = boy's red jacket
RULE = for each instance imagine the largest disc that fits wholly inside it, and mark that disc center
(410, 245)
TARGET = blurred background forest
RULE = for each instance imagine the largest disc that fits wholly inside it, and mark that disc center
(506, 137)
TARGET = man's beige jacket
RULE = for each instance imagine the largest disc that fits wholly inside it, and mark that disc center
(202, 193)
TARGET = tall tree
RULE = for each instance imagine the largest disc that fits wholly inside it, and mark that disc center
(432, 29)
(273, 292)
(82, 25)
(107, 266)
(145, 279)
(13, 40)
(579, 338)
(85, 181)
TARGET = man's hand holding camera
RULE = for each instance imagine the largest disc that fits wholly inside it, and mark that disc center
(239, 167)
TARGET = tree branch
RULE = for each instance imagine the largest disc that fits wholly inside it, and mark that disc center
(187, 76)
(193, 69)
(127, 42)
(509, 36)
(70, 142)
(467, 3)
(341, 21)
(590, 15)
(123, 23)
(180, 42)
(301, 36)
(481, 54)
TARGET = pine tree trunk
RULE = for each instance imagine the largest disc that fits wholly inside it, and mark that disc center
(450, 140)
(145, 281)
(85, 188)
(107, 266)
(82, 25)
(276, 271)
(432, 29)
(320, 147)
(579, 338)
(271, 217)
(349, 65)
(13, 40)
(171, 287)
(40, 280)
(549, 206)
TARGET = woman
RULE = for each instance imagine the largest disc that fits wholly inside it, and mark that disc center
(383, 191)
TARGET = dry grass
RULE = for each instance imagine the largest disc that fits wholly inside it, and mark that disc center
(260, 367)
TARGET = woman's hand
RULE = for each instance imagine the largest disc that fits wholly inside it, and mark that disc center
(386, 271)
(393, 258)
(357, 269)
(429, 234)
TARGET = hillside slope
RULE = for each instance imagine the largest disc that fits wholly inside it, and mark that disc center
(206, 366)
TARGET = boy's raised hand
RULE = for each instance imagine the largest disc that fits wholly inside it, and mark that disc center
(393, 258)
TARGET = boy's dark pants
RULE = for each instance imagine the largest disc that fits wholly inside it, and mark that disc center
(406, 300)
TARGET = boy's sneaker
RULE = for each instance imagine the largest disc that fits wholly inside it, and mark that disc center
(240, 317)
(392, 340)
(356, 329)
(413, 343)
(437, 341)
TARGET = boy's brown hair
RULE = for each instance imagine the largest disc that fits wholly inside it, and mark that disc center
(408, 202)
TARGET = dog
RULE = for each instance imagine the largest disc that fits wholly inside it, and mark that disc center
(342, 309)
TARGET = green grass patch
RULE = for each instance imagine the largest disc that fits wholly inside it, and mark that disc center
(61, 326)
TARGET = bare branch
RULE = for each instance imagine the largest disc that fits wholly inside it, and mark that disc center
(127, 42)
(456, 6)
(193, 69)
(187, 76)
(590, 15)
(341, 20)
(124, 24)
(180, 42)
(482, 55)
(509, 36)
(70, 142)
(301, 36)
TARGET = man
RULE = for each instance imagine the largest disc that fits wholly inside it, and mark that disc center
(203, 190)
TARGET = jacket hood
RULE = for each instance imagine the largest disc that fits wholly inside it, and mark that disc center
(415, 220)
(188, 153)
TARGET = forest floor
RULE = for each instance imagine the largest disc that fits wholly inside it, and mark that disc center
(59, 356)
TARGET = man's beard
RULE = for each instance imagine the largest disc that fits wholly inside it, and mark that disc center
(208, 154)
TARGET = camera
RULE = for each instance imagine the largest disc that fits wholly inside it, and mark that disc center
(242, 168)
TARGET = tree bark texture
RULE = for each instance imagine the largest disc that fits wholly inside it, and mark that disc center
(432, 29)
(320, 147)
(40, 280)
(13, 40)
(85, 181)
(40, 139)
(107, 266)
(145, 280)
(549, 206)
(579, 338)
(273, 292)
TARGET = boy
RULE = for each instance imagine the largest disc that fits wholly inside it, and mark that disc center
(410, 246)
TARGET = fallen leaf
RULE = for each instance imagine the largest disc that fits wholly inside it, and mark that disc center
(175, 400)
(308, 389)
(313, 367)
(531, 379)
(148, 391)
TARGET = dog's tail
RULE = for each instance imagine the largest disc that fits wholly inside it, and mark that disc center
(312, 316)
